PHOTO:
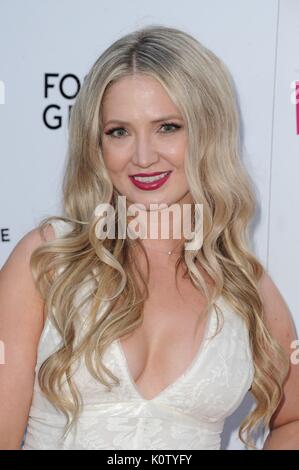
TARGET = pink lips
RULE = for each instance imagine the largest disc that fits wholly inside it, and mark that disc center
(152, 185)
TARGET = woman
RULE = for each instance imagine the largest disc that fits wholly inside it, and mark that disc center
(147, 343)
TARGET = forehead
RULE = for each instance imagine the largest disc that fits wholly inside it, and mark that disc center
(140, 93)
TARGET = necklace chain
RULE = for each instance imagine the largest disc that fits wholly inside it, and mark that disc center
(165, 252)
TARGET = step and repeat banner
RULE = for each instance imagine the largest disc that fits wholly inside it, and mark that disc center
(47, 47)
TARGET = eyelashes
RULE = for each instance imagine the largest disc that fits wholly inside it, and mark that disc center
(165, 124)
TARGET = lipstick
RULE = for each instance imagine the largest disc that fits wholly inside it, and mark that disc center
(150, 181)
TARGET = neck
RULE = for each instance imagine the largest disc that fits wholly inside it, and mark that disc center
(162, 230)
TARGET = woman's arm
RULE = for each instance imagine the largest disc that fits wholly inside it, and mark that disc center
(284, 424)
(21, 324)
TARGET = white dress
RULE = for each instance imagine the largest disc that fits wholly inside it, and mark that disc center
(188, 414)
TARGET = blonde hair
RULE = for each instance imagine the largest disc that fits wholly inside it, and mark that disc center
(200, 85)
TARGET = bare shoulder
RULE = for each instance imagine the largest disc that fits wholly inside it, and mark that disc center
(35, 237)
(21, 324)
(17, 286)
(278, 317)
(280, 324)
(27, 244)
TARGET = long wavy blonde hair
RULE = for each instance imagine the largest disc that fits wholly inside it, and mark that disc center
(200, 85)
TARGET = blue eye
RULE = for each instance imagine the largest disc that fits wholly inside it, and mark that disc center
(165, 124)
(170, 124)
(113, 130)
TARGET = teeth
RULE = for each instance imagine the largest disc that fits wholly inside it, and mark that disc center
(149, 179)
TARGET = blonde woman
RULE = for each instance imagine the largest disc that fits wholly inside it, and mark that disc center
(143, 343)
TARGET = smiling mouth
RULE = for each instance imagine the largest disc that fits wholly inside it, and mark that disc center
(150, 182)
(143, 178)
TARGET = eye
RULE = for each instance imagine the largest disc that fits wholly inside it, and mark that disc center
(111, 131)
(170, 124)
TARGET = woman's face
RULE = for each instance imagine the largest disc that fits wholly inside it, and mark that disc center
(144, 132)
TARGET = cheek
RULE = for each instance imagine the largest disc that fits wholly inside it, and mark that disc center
(176, 151)
(114, 160)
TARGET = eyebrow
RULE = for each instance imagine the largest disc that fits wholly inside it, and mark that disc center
(164, 118)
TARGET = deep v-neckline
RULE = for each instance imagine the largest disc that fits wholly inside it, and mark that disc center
(181, 377)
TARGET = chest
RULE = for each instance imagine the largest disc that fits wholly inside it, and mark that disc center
(162, 348)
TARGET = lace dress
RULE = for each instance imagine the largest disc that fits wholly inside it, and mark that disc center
(187, 414)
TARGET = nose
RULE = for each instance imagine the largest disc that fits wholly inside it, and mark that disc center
(144, 154)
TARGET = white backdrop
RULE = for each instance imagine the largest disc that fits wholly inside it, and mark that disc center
(54, 43)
